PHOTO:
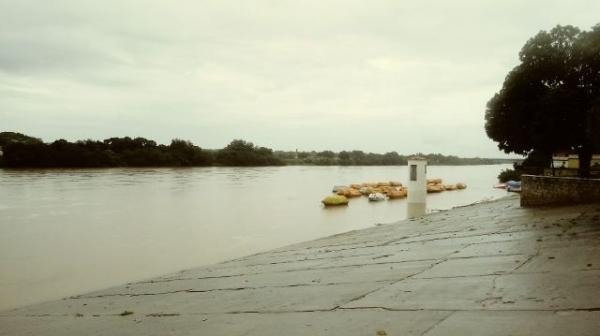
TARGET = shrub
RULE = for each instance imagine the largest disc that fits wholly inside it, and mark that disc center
(509, 174)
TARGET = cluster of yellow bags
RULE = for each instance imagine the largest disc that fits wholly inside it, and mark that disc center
(391, 189)
(436, 185)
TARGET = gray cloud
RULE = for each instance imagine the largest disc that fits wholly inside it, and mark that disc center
(370, 75)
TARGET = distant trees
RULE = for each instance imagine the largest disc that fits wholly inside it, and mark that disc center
(242, 153)
(551, 101)
(10, 137)
(360, 158)
(23, 151)
(186, 153)
(344, 158)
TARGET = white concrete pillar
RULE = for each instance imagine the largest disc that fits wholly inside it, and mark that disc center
(417, 187)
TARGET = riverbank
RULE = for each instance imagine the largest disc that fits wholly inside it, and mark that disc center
(487, 269)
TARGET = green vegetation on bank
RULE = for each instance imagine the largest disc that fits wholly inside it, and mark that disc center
(360, 158)
(22, 151)
(509, 175)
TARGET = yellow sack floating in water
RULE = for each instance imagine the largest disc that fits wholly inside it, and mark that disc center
(334, 200)
(397, 194)
(435, 188)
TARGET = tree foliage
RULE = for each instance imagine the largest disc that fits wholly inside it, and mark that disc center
(24, 151)
(243, 153)
(509, 175)
(551, 101)
(128, 152)
(360, 158)
(10, 137)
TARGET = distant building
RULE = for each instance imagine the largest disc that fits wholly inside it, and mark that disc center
(571, 161)
(560, 160)
(595, 163)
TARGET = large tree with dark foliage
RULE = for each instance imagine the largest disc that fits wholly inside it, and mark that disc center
(551, 101)
(243, 153)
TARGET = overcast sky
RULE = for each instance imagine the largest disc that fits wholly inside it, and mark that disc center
(372, 75)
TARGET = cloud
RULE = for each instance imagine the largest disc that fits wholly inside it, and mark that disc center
(376, 76)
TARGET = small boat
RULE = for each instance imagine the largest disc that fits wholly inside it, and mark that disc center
(377, 197)
(514, 186)
(500, 186)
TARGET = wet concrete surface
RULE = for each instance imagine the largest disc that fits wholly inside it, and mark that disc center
(488, 269)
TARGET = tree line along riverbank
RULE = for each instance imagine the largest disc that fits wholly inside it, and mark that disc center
(23, 151)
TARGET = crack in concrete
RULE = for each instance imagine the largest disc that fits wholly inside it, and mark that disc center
(491, 297)
(314, 268)
(528, 260)
(395, 282)
(310, 259)
(184, 279)
(83, 297)
(458, 237)
(367, 293)
(400, 240)
(486, 256)
(331, 246)
(382, 256)
(459, 276)
(162, 314)
(433, 326)
(335, 309)
(191, 290)
(376, 263)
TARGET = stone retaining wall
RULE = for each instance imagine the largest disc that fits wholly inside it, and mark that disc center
(549, 190)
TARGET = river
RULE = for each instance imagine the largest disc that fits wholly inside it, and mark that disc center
(64, 232)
